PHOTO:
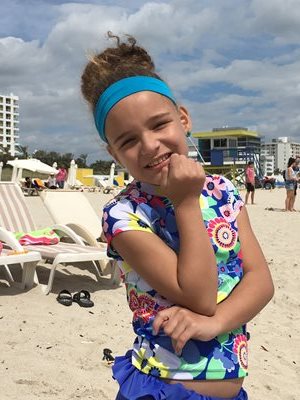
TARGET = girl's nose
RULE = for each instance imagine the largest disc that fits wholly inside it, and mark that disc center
(150, 143)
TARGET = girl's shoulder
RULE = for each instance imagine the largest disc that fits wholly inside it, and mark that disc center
(130, 197)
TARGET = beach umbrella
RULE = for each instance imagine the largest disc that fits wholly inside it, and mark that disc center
(112, 173)
(32, 164)
(71, 181)
(14, 174)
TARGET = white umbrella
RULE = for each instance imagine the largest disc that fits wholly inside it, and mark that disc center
(112, 173)
(34, 165)
(71, 181)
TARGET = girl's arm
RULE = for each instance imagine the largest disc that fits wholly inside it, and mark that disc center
(189, 278)
(248, 298)
(256, 287)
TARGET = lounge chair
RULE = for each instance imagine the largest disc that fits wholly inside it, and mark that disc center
(16, 255)
(15, 217)
(75, 211)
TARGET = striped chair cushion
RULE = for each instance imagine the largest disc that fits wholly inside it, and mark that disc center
(14, 213)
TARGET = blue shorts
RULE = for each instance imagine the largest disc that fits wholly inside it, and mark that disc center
(290, 185)
(134, 385)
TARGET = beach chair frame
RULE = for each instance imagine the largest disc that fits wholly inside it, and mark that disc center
(63, 207)
(16, 255)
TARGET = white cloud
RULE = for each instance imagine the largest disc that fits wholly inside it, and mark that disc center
(278, 18)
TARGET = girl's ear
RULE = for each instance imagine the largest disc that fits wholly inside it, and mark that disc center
(185, 119)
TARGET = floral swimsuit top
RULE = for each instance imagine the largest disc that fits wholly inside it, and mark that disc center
(140, 208)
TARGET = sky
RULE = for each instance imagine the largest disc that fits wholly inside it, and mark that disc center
(230, 62)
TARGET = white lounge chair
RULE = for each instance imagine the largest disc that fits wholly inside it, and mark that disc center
(15, 217)
(16, 255)
(75, 211)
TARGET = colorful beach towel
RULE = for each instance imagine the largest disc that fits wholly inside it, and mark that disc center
(45, 236)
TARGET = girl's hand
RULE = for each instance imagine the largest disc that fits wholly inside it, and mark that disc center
(183, 178)
(182, 325)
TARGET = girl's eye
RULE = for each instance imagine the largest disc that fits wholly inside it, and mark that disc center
(161, 125)
(127, 142)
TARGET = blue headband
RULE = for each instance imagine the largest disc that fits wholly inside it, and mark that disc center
(123, 88)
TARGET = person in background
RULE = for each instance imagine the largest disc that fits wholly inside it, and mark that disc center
(61, 177)
(250, 181)
(290, 184)
(51, 182)
(296, 169)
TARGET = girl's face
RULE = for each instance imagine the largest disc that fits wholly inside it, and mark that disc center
(143, 130)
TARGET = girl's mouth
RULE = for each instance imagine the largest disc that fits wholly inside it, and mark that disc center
(159, 162)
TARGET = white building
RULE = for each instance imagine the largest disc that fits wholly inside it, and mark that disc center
(9, 125)
(267, 163)
(281, 149)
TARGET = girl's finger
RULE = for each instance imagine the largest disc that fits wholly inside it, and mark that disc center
(159, 321)
(164, 176)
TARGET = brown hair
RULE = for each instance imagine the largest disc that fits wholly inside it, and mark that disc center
(114, 63)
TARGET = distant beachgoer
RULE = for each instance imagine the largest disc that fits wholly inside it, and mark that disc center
(193, 270)
(28, 182)
(290, 184)
(61, 177)
(39, 183)
(250, 181)
(51, 182)
(296, 169)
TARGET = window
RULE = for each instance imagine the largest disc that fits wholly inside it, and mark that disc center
(221, 143)
(232, 143)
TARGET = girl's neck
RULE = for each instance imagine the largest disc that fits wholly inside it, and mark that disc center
(149, 188)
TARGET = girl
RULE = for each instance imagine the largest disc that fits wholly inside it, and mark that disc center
(178, 236)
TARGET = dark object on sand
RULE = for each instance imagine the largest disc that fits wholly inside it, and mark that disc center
(83, 298)
(107, 356)
(64, 297)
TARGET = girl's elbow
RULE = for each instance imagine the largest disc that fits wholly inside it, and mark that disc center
(211, 311)
(207, 309)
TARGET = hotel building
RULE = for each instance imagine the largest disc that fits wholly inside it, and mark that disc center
(281, 149)
(9, 125)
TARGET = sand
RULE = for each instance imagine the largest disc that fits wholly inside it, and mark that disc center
(49, 351)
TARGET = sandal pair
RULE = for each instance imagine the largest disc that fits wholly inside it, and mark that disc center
(82, 298)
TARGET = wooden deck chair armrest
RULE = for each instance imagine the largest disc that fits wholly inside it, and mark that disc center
(68, 232)
(8, 238)
(81, 231)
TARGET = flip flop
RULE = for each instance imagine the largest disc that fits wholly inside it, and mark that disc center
(65, 298)
(83, 298)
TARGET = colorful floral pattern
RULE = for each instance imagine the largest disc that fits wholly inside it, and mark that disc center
(140, 207)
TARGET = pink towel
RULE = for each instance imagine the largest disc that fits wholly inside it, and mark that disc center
(44, 236)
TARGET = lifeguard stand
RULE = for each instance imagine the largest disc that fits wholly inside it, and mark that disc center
(227, 150)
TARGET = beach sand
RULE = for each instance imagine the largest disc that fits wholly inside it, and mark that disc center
(49, 351)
